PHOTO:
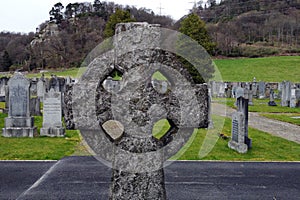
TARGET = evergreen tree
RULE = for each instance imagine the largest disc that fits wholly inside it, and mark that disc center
(194, 27)
(118, 17)
(202, 68)
(5, 62)
(56, 13)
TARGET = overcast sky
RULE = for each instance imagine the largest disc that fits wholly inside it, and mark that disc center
(25, 15)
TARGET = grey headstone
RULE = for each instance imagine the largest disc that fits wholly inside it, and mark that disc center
(19, 123)
(262, 89)
(41, 88)
(237, 141)
(293, 99)
(52, 115)
(272, 99)
(35, 109)
(286, 93)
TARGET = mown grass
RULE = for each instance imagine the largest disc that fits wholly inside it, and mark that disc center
(260, 105)
(39, 148)
(266, 147)
(284, 117)
(269, 69)
(72, 72)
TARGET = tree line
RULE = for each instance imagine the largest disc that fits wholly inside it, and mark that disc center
(254, 27)
(69, 35)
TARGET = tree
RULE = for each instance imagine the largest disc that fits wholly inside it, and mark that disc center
(5, 62)
(194, 27)
(56, 13)
(118, 17)
(202, 68)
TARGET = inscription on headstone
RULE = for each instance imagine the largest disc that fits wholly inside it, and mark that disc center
(52, 124)
(19, 123)
(237, 141)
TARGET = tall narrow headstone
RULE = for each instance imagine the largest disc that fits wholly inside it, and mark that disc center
(41, 89)
(34, 106)
(286, 93)
(293, 98)
(297, 98)
(242, 106)
(19, 123)
(52, 112)
(261, 89)
(237, 141)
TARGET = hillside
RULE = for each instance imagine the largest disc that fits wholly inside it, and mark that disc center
(253, 28)
(64, 41)
(239, 28)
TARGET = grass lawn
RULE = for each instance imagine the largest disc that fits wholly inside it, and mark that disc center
(72, 72)
(265, 147)
(260, 105)
(285, 117)
(269, 69)
(40, 148)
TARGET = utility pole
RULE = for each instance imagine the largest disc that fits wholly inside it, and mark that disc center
(160, 8)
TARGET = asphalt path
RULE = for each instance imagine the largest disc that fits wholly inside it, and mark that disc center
(87, 178)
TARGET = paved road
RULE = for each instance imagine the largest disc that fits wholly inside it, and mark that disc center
(86, 178)
(281, 129)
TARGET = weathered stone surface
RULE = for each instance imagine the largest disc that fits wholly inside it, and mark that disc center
(137, 157)
(52, 114)
(114, 129)
(35, 109)
(19, 123)
(67, 108)
(237, 141)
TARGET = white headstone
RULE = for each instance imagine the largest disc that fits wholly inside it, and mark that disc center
(52, 112)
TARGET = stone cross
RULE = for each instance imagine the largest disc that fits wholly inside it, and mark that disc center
(19, 123)
(118, 125)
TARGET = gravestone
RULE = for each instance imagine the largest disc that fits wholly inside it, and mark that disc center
(214, 91)
(293, 100)
(250, 95)
(237, 141)
(126, 117)
(41, 89)
(297, 98)
(286, 93)
(54, 83)
(272, 99)
(6, 99)
(33, 87)
(254, 88)
(34, 106)
(221, 92)
(19, 123)
(261, 89)
(3, 84)
(52, 115)
(242, 100)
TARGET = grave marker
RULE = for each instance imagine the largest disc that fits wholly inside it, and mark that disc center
(19, 123)
(237, 141)
(52, 124)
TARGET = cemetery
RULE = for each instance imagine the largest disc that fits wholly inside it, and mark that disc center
(52, 117)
